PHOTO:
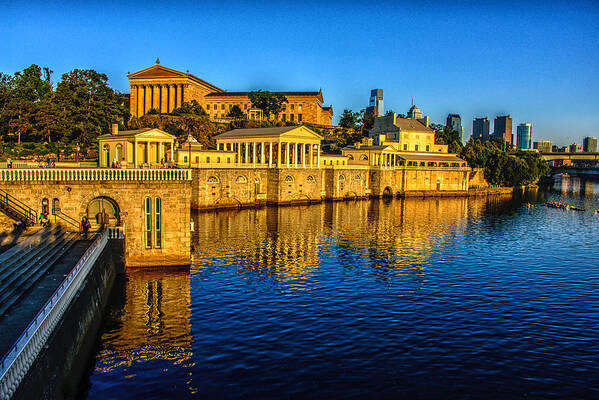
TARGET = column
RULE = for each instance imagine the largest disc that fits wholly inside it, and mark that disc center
(156, 97)
(318, 155)
(311, 156)
(287, 155)
(179, 95)
(303, 153)
(278, 154)
(163, 98)
(238, 153)
(295, 150)
(254, 154)
(262, 153)
(171, 97)
(270, 154)
(160, 152)
(172, 152)
(140, 100)
(135, 154)
(148, 97)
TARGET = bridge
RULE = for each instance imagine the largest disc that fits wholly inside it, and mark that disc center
(583, 156)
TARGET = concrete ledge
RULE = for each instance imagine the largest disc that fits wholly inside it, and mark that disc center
(158, 260)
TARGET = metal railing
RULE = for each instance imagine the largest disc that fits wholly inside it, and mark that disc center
(19, 358)
(93, 174)
(67, 219)
(20, 209)
(115, 232)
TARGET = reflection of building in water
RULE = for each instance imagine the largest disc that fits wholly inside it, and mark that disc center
(284, 243)
(154, 322)
(272, 241)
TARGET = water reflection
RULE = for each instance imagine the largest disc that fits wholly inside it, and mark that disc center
(152, 323)
(288, 244)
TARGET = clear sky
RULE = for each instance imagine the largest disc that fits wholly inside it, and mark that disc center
(538, 61)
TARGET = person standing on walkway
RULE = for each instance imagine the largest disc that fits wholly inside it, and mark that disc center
(85, 225)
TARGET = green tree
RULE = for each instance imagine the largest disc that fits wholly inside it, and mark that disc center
(270, 103)
(235, 112)
(446, 135)
(189, 108)
(349, 119)
(88, 106)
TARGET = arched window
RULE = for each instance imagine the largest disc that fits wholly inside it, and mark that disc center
(358, 178)
(106, 151)
(241, 179)
(310, 179)
(428, 147)
(289, 179)
(213, 179)
(341, 177)
(350, 157)
(119, 152)
(364, 157)
(55, 206)
(157, 222)
(148, 222)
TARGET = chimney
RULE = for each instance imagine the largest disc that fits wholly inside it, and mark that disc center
(115, 129)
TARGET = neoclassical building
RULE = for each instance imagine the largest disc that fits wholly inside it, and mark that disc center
(164, 89)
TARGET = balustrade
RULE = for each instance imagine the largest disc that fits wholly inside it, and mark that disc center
(100, 174)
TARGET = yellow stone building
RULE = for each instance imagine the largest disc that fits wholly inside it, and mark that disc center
(192, 154)
(164, 89)
(136, 148)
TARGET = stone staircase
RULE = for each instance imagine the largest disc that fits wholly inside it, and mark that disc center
(16, 209)
(25, 263)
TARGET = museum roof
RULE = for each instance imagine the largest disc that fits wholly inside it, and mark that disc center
(277, 131)
(224, 94)
(431, 157)
(126, 133)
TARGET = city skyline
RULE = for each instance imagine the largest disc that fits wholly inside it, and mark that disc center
(446, 59)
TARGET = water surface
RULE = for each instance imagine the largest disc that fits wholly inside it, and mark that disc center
(417, 298)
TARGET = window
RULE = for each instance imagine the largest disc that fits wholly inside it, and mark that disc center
(157, 222)
(405, 146)
(208, 160)
(215, 115)
(284, 117)
(299, 117)
(291, 117)
(284, 106)
(218, 160)
(364, 157)
(428, 147)
(148, 222)
(222, 115)
(358, 178)
(55, 206)
(230, 107)
(311, 179)
(222, 106)
(350, 157)
(292, 106)
(341, 177)
(415, 147)
(213, 179)
(245, 106)
(299, 108)
(184, 158)
(289, 179)
(197, 159)
(208, 107)
(228, 160)
(241, 179)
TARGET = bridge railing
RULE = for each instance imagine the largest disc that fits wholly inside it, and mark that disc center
(17, 361)
(93, 174)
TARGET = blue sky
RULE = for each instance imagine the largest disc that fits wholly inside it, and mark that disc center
(538, 62)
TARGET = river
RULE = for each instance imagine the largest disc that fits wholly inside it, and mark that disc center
(417, 298)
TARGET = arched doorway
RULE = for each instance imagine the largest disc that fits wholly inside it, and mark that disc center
(106, 154)
(387, 192)
(103, 211)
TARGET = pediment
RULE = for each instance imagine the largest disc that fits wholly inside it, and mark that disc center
(154, 134)
(302, 131)
(157, 71)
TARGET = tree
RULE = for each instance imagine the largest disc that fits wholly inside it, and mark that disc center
(189, 108)
(268, 102)
(235, 112)
(349, 119)
(446, 135)
(88, 106)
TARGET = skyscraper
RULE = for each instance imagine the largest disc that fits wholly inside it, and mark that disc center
(455, 122)
(502, 128)
(524, 136)
(480, 129)
(376, 105)
(589, 144)
(544, 146)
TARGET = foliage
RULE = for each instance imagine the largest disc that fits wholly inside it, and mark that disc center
(189, 108)
(501, 167)
(270, 103)
(446, 135)
(235, 112)
(349, 119)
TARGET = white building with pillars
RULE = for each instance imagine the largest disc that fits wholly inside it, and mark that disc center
(281, 147)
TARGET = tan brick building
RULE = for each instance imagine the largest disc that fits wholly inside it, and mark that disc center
(164, 89)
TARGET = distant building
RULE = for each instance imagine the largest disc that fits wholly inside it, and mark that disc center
(480, 129)
(405, 134)
(589, 144)
(524, 136)
(575, 148)
(544, 146)
(414, 112)
(455, 122)
(564, 149)
(502, 128)
(376, 105)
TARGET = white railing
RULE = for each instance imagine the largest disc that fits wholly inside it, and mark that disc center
(17, 361)
(116, 232)
(93, 174)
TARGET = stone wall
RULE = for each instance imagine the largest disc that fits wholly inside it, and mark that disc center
(477, 179)
(74, 198)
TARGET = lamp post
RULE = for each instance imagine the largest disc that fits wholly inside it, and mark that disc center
(77, 155)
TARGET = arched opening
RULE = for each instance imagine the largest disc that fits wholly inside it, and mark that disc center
(103, 211)
(119, 153)
(106, 154)
(388, 192)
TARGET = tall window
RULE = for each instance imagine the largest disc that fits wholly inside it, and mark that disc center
(416, 147)
(299, 117)
(157, 222)
(291, 117)
(405, 146)
(148, 222)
